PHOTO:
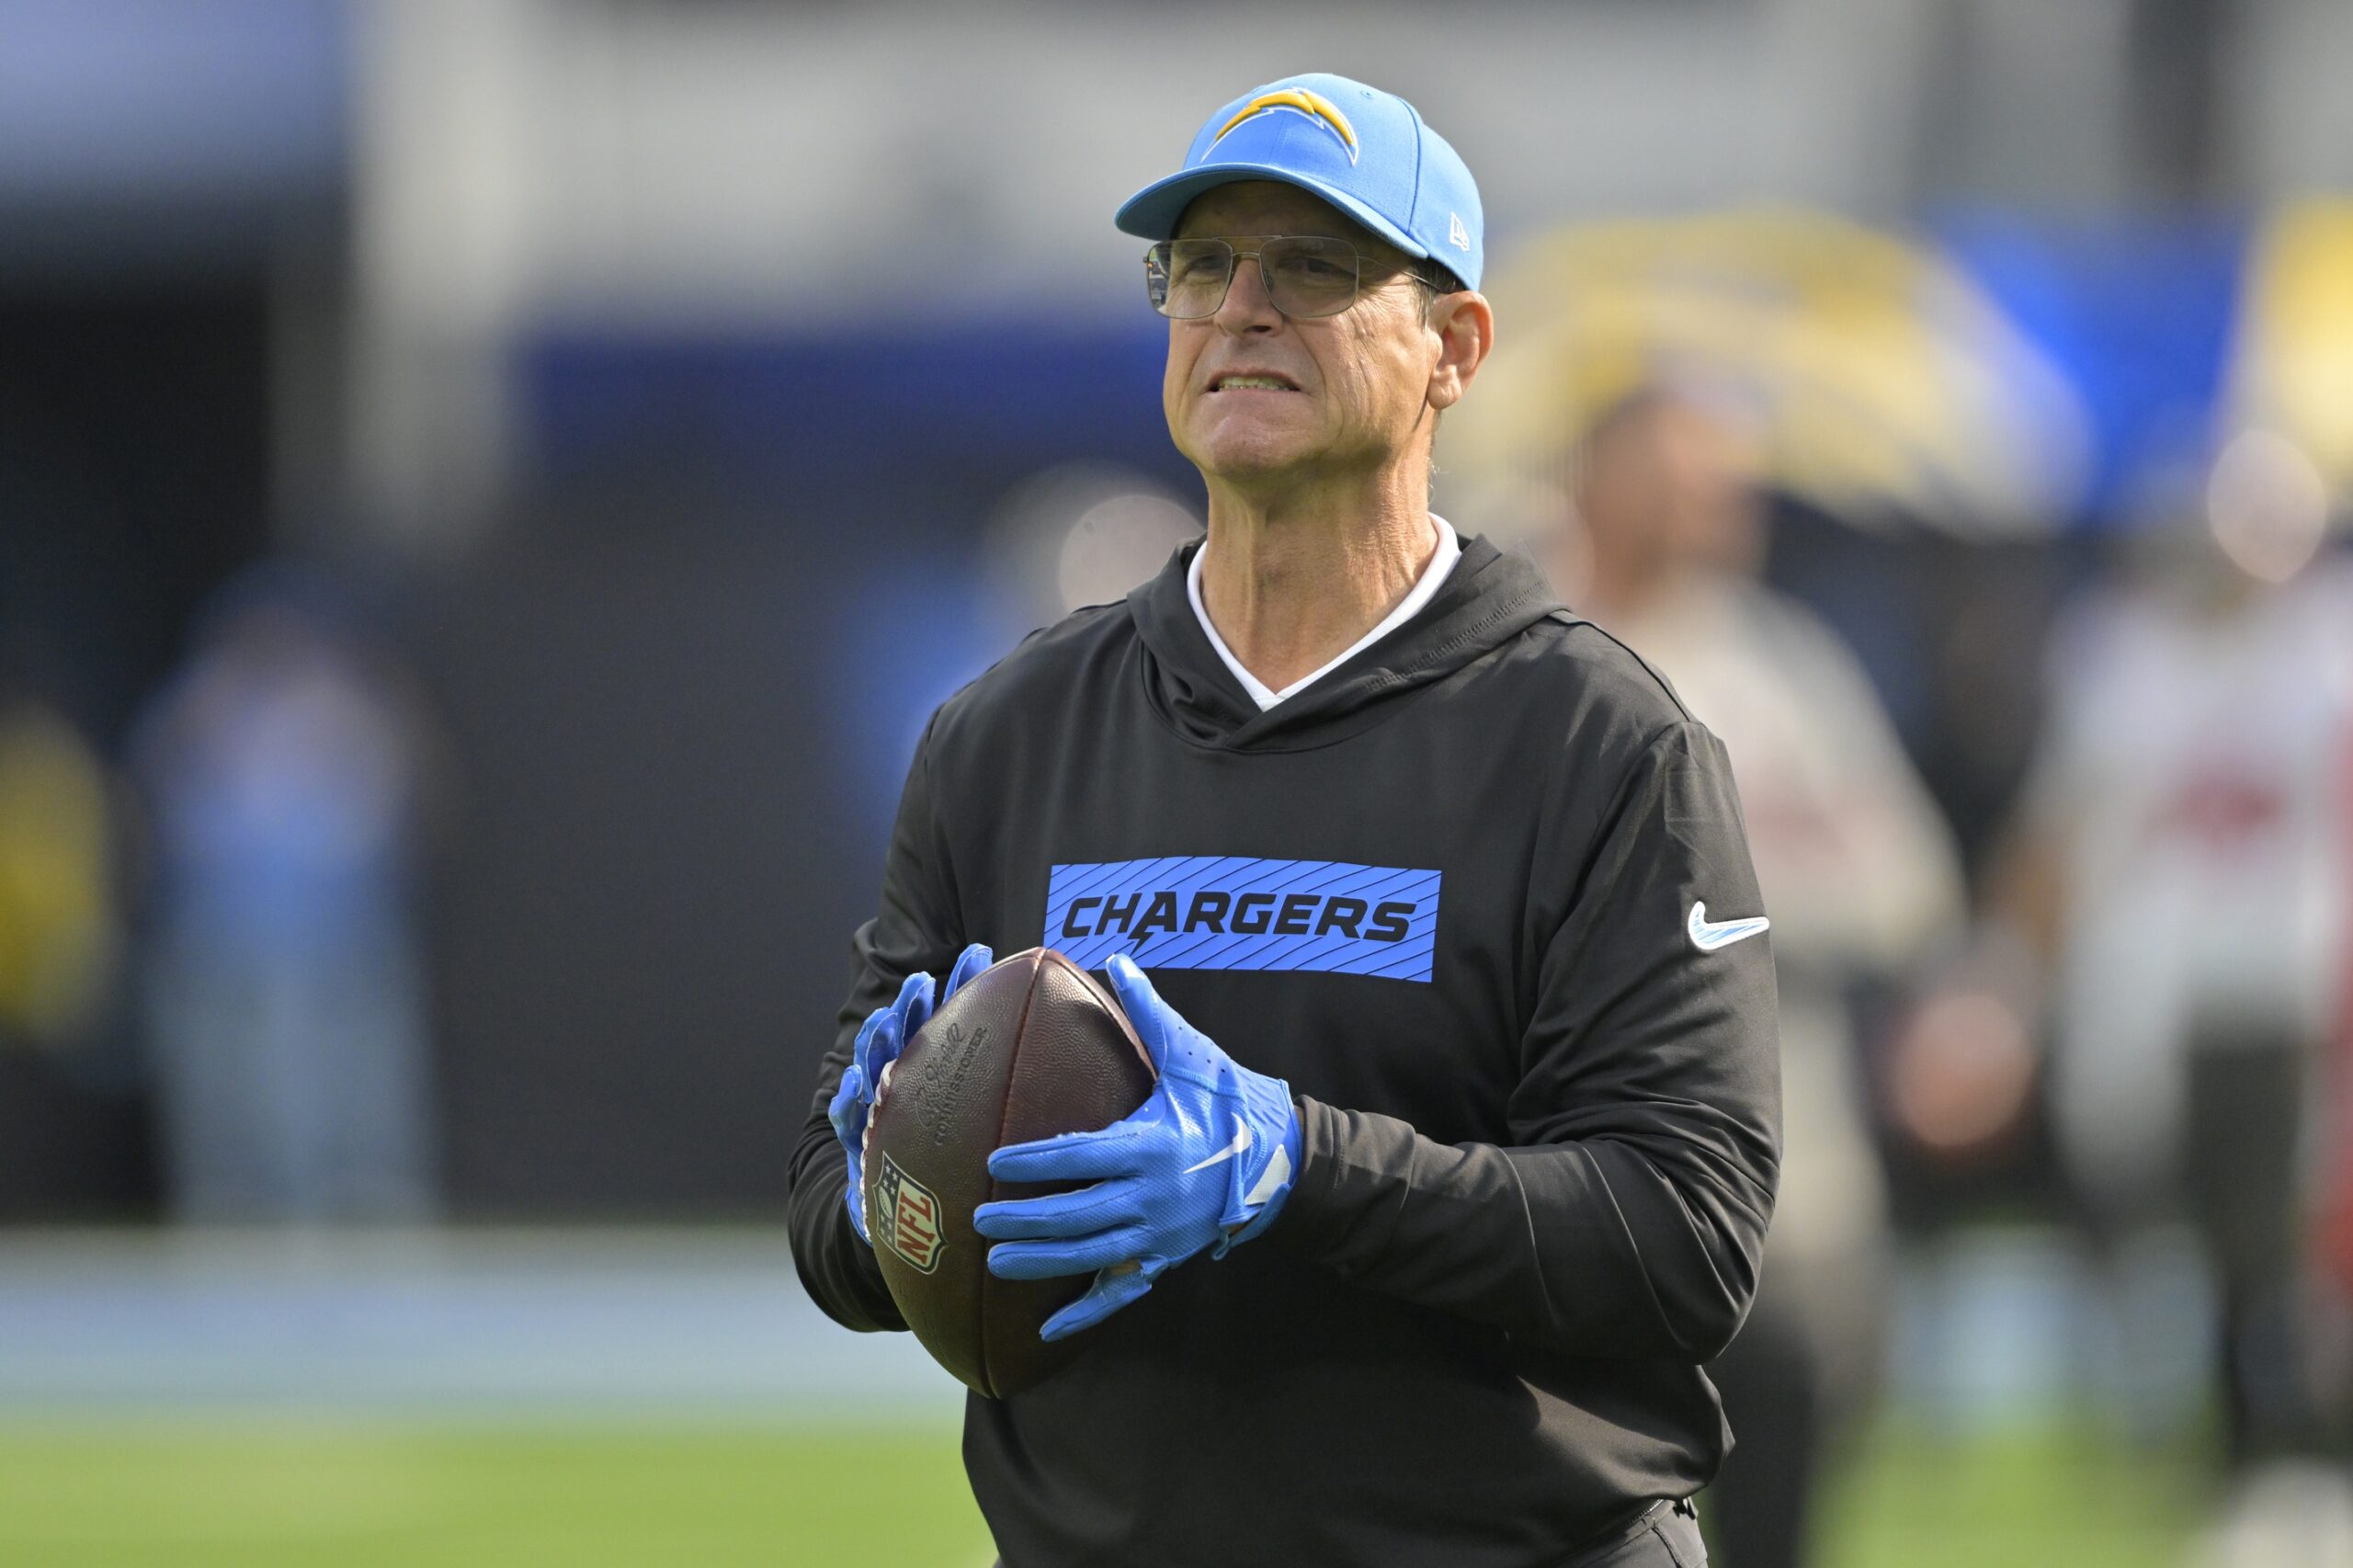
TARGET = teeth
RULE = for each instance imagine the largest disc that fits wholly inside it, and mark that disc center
(1264, 383)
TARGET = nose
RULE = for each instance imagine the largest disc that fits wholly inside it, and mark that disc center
(1247, 307)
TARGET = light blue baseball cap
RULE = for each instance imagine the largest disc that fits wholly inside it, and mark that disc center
(1366, 152)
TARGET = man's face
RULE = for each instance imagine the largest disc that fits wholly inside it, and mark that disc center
(1670, 486)
(1353, 390)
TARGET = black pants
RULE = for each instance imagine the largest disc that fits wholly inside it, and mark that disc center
(1666, 1536)
(2245, 1104)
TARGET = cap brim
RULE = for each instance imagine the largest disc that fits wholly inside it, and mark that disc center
(1151, 213)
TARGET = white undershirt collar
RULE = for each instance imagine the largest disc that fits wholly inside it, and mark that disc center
(1442, 560)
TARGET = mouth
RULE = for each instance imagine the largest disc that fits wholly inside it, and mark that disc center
(1253, 381)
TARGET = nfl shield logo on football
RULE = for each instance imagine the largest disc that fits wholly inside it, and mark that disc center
(907, 1214)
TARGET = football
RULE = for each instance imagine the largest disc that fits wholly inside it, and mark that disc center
(1027, 1049)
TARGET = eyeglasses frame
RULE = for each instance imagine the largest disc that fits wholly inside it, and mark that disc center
(1266, 284)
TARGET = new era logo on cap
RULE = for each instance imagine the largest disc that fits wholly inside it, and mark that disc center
(1366, 152)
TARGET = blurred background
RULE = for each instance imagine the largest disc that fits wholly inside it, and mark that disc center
(491, 489)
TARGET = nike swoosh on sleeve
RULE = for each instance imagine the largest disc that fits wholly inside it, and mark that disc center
(1709, 935)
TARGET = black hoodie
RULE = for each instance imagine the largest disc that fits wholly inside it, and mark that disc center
(1540, 1117)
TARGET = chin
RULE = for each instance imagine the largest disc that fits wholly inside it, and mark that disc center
(1241, 452)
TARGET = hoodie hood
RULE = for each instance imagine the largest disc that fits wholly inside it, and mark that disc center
(1488, 600)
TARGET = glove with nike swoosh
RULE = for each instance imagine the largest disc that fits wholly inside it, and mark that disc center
(884, 1034)
(1207, 1161)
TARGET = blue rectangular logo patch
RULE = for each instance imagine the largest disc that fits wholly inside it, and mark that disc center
(1231, 911)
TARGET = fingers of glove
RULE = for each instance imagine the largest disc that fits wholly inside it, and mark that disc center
(861, 1051)
(969, 964)
(1112, 1291)
(1145, 1010)
(1118, 1150)
(1177, 1049)
(879, 1041)
(1053, 1260)
(854, 1139)
(1062, 1214)
(848, 1109)
(913, 1006)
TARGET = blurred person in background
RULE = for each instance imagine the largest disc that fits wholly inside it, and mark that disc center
(1858, 867)
(284, 770)
(58, 936)
(2173, 895)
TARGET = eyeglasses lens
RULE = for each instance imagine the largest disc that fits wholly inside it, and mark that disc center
(1306, 275)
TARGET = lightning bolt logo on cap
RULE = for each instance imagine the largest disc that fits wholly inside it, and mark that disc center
(1296, 101)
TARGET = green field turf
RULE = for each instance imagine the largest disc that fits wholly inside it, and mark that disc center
(93, 1494)
(89, 1495)
(1906, 1500)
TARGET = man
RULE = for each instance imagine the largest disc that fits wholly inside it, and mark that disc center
(2174, 872)
(1464, 1137)
(1863, 879)
(287, 772)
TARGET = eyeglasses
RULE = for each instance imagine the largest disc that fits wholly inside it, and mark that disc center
(1304, 275)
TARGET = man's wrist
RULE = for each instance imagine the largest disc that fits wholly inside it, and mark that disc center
(1306, 1208)
(1290, 1156)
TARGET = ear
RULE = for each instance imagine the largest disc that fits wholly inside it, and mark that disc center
(1464, 324)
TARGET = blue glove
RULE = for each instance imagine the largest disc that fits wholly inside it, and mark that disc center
(1208, 1160)
(884, 1034)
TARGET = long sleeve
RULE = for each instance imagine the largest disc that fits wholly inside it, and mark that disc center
(915, 928)
(1628, 1213)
